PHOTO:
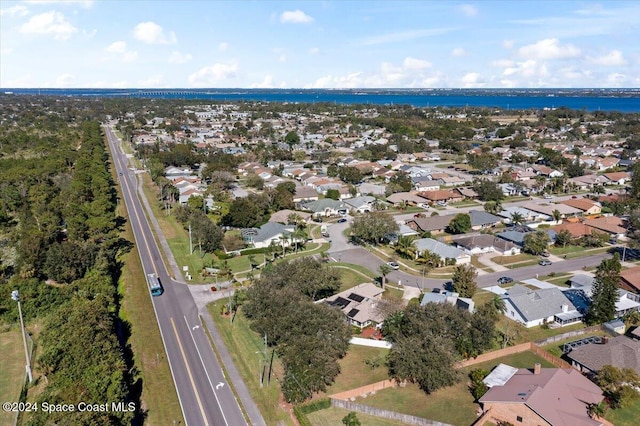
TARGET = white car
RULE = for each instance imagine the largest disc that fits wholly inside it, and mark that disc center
(548, 197)
(393, 265)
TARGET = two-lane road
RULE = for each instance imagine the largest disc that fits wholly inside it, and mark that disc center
(202, 389)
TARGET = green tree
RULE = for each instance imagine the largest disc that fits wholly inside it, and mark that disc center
(536, 242)
(384, 270)
(405, 246)
(292, 138)
(487, 190)
(563, 238)
(464, 280)
(351, 419)
(493, 207)
(517, 218)
(333, 194)
(372, 227)
(460, 224)
(604, 294)
(620, 385)
(350, 175)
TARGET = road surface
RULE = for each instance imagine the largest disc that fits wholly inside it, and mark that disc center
(203, 392)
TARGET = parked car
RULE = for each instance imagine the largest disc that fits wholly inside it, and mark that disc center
(505, 280)
(574, 196)
(548, 197)
(394, 265)
(544, 262)
(342, 220)
(545, 254)
(435, 290)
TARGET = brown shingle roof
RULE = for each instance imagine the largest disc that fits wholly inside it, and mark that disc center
(620, 352)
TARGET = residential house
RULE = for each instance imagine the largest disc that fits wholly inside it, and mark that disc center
(282, 216)
(371, 189)
(400, 198)
(485, 243)
(587, 206)
(443, 250)
(325, 207)
(617, 178)
(544, 396)
(576, 229)
(620, 351)
(449, 297)
(424, 183)
(611, 225)
(364, 204)
(582, 287)
(451, 181)
(526, 214)
(172, 172)
(587, 182)
(359, 304)
(516, 234)
(537, 307)
(433, 224)
(305, 193)
(441, 195)
(548, 209)
(268, 234)
(630, 279)
(542, 170)
(467, 193)
(483, 220)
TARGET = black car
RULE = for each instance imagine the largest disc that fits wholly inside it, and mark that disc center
(505, 280)
(342, 220)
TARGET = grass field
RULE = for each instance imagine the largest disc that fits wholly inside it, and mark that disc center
(12, 373)
(243, 344)
(355, 373)
(159, 397)
(627, 416)
(333, 416)
(438, 405)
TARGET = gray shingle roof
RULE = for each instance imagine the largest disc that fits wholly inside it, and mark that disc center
(534, 305)
(483, 218)
(620, 352)
(445, 251)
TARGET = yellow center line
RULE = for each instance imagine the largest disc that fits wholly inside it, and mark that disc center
(204, 417)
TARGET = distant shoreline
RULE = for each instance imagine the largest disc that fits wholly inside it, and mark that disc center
(623, 100)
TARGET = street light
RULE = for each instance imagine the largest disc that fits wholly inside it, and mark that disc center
(15, 295)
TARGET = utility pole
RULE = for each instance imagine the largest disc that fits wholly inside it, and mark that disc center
(190, 241)
(16, 296)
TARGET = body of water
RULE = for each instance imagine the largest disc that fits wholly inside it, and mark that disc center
(622, 100)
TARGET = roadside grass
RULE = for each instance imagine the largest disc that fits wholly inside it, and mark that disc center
(354, 267)
(481, 297)
(558, 279)
(12, 372)
(350, 278)
(245, 346)
(568, 249)
(511, 260)
(476, 263)
(466, 203)
(159, 397)
(333, 416)
(355, 373)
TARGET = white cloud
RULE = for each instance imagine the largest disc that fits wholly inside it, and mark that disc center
(85, 3)
(179, 58)
(266, 83)
(16, 11)
(213, 74)
(502, 63)
(472, 79)
(53, 23)
(295, 17)
(152, 33)
(65, 80)
(5, 50)
(508, 44)
(117, 47)
(468, 10)
(223, 46)
(314, 51)
(152, 81)
(122, 84)
(549, 48)
(458, 51)
(404, 36)
(415, 64)
(613, 58)
(616, 79)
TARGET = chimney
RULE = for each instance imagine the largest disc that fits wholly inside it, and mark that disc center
(565, 308)
(536, 368)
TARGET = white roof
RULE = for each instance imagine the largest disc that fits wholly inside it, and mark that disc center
(499, 375)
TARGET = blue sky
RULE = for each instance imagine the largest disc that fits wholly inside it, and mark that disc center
(319, 44)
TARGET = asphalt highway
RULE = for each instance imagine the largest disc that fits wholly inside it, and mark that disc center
(203, 392)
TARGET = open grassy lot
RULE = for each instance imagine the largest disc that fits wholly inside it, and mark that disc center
(354, 372)
(333, 416)
(351, 278)
(12, 372)
(243, 343)
(627, 416)
(513, 260)
(438, 405)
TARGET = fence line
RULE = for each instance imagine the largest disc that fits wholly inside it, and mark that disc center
(364, 390)
(379, 412)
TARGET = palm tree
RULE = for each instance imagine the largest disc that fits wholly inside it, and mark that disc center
(557, 216)
(298, 236)
(384, 270)
(517, 218)
(405, 246)
(598, 410)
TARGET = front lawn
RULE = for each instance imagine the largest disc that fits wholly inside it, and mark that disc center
(333, 416)
(354, 372)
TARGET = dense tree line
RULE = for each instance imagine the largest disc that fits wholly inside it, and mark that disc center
(308, 337)
(64, 228)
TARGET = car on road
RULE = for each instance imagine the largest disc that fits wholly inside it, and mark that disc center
(574, 197)
(394, 265)
(544, 262)
(545, 254)
(342, 220)
(548, 197)
(505, 280)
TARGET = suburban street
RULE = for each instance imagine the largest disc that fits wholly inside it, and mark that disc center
(205, 397)
(343, 251)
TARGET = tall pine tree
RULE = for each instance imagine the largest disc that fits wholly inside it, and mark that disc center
(604, 294)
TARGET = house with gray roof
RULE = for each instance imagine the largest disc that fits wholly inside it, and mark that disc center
(359, 304)
(527, 215)
(443, 250)
(516, 235)
(364, 204)
(482, 220)
(325, 207)
(485, 243)
(536, 307)
(620, 351)
(449, 297)
(270, 232)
